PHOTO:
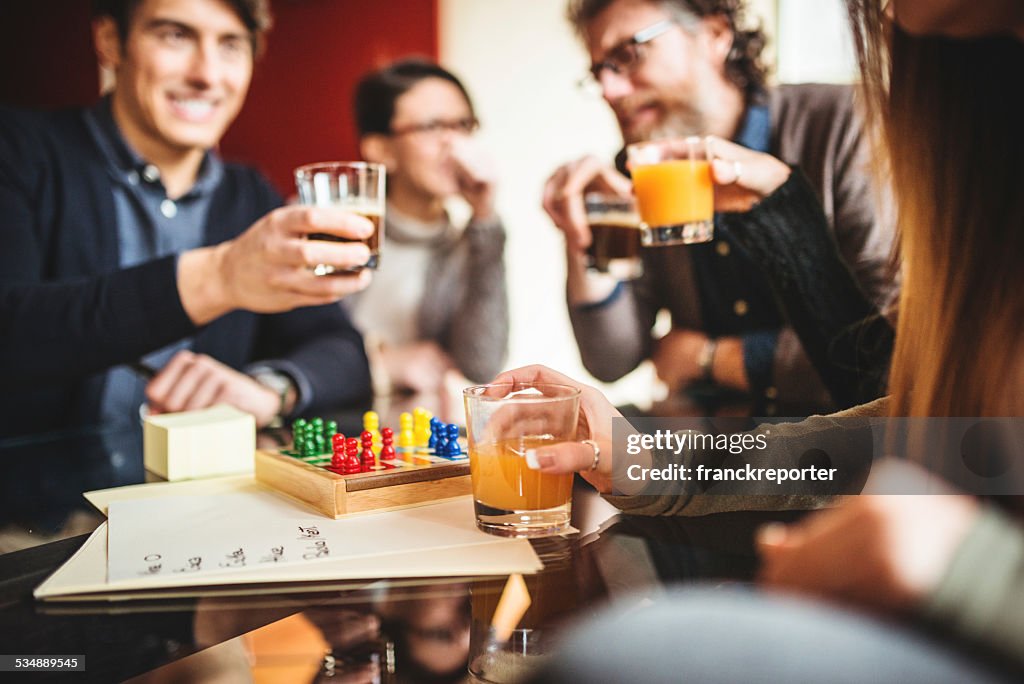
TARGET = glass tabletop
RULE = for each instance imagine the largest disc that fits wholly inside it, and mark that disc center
(381, 630)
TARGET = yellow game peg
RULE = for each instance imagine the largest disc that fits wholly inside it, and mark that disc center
(371, 423)
(421, 427)
(405, 437)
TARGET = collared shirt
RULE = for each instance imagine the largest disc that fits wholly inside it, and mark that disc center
(150, 225)
(735, 298)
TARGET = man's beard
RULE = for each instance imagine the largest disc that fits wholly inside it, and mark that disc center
(677, 119)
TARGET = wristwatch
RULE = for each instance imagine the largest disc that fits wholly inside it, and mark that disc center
(706, 360)
(281, 384)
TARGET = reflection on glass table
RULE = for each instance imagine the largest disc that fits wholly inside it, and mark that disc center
(380, 630)
(44, 477)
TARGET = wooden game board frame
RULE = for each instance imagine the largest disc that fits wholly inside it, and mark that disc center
(338, 495)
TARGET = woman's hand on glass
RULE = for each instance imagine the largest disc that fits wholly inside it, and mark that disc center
(743, 177)
(595, 423)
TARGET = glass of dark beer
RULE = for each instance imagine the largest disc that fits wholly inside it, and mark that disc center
(615, 230)
(354, 186)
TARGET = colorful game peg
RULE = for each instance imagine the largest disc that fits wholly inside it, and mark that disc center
(435, 434)
(368, 458)
(421, 427)
(350, 463)
(298, 434)
(406, 441)
(371, 423)
(353, 464)
(453, 449)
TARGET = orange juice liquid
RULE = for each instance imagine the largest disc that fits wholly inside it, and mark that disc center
(501, 478)
(674, 192)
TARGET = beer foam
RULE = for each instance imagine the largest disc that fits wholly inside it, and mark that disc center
(621, 219)
(359, 205)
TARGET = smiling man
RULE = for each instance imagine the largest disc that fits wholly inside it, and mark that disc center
(127, 240)
(673, 68)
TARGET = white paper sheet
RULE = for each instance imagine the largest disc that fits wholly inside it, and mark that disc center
(229, 484)
(83, 576)
(209, 534)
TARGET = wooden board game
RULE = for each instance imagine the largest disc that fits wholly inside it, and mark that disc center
(381, 478)
(400, 483)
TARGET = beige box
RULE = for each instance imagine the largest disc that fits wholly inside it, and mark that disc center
(220, 440)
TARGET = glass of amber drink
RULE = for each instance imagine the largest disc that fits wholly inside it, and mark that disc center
(615, 236)
(674, 190)
(355, 186)
(505, 425)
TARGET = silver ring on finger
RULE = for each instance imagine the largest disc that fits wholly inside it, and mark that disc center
(597, 452)
(737, 168)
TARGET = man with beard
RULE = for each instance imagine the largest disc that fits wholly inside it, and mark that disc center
(673, 68)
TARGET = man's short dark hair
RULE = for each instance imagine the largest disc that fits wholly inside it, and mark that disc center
(743, 65)
(254, 14)
(377, 91)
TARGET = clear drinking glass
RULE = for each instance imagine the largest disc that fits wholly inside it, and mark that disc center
(674, 190)
(507, 661)
(615, 231)
(355, 186)
(505, 425)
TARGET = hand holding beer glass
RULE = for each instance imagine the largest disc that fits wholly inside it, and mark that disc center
(506, 424)
(615, 236)
(357, 187)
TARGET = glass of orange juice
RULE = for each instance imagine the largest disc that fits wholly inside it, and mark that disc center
(505, 424)
(674, 191)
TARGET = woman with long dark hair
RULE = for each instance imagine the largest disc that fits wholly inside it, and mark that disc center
(943, 86)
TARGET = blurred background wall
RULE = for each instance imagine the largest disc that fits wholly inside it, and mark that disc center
(519, 60)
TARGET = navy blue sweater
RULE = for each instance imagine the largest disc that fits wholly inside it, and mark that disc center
(68, 311)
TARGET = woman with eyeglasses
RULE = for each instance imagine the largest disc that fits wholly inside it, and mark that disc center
(438, 303)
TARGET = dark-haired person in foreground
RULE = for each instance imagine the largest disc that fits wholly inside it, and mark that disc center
(673, 68)
(126, 239)
(438, 302)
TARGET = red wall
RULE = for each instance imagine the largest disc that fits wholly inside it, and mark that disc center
(46, 55)
(299, 107)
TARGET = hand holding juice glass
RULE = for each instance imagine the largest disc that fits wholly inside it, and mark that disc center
(505, 424)
(674, 190)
